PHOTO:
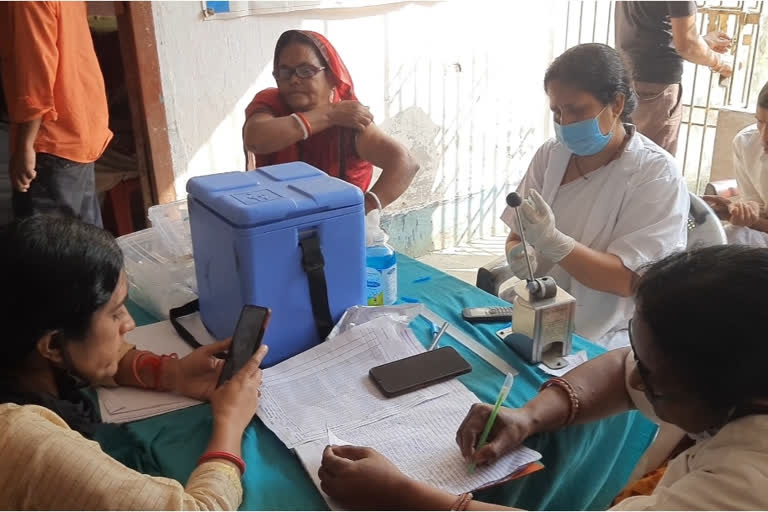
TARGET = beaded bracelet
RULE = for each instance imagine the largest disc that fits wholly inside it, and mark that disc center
(462, 502)
(563, 384)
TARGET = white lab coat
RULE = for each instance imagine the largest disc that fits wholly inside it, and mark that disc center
(639, 214)
(750, 166)
(728, 471)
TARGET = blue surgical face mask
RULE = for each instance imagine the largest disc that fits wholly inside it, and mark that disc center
(583, 138)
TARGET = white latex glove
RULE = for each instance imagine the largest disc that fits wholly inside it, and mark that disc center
(516, 260)
(539, 225)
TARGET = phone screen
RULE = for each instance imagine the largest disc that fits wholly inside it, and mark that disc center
(246, 341)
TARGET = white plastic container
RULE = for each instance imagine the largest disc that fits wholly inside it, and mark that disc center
(172, 223)
(158, 279)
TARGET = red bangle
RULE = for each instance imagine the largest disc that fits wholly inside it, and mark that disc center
(306, 123)
(135, 368)
(154, 362)
(234, 459)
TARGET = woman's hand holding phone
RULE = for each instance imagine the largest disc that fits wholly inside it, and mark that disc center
(234, 403)
(196, 374)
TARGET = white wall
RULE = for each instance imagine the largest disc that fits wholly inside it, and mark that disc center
(459, 82)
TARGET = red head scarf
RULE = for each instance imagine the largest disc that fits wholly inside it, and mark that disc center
(324, 149)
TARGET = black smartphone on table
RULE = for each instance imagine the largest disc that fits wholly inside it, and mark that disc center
(247, 339)
(419, 371)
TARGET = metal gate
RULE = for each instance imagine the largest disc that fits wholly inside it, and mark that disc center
(703, 96)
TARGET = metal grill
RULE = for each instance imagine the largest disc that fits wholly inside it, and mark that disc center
(703, 97)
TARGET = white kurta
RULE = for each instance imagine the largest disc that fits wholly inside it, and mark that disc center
(750, 167)
(728, 471)
(636, 207)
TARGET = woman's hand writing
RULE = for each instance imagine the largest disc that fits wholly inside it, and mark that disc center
(511, 428)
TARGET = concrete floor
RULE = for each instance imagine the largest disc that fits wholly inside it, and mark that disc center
(463, 261)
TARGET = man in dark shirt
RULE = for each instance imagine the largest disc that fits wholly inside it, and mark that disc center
(655, 38)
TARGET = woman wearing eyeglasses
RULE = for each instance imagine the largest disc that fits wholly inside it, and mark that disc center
(695, 364)
(314, 116)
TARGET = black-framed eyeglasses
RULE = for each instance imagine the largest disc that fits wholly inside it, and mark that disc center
(645, 374)
(303, 71)
(682, 395)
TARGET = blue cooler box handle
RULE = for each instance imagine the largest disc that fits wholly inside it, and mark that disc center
(314, 265)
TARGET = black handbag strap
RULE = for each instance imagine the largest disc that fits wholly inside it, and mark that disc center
(187, 309)
(314, 265)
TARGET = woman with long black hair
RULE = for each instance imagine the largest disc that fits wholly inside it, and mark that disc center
(62, 308)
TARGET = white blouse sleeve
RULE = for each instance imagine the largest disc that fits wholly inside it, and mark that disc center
(747, 190)
(653, 219)
(729, 481)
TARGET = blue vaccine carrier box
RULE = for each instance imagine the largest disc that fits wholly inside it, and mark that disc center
(288, 237)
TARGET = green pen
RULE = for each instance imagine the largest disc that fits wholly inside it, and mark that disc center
(489, 425)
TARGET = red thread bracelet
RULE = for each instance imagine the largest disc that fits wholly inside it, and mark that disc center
(155, 363)
(306, 123)
(135, 368)
(234, 459)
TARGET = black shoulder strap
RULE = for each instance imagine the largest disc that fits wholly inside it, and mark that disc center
(314, 265)
(187, 309)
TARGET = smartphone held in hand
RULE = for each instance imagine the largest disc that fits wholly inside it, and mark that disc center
(247, 339)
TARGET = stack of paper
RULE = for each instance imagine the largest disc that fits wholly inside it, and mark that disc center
(121, 405)
(326, 392)
(328, 385)
(124, 404)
